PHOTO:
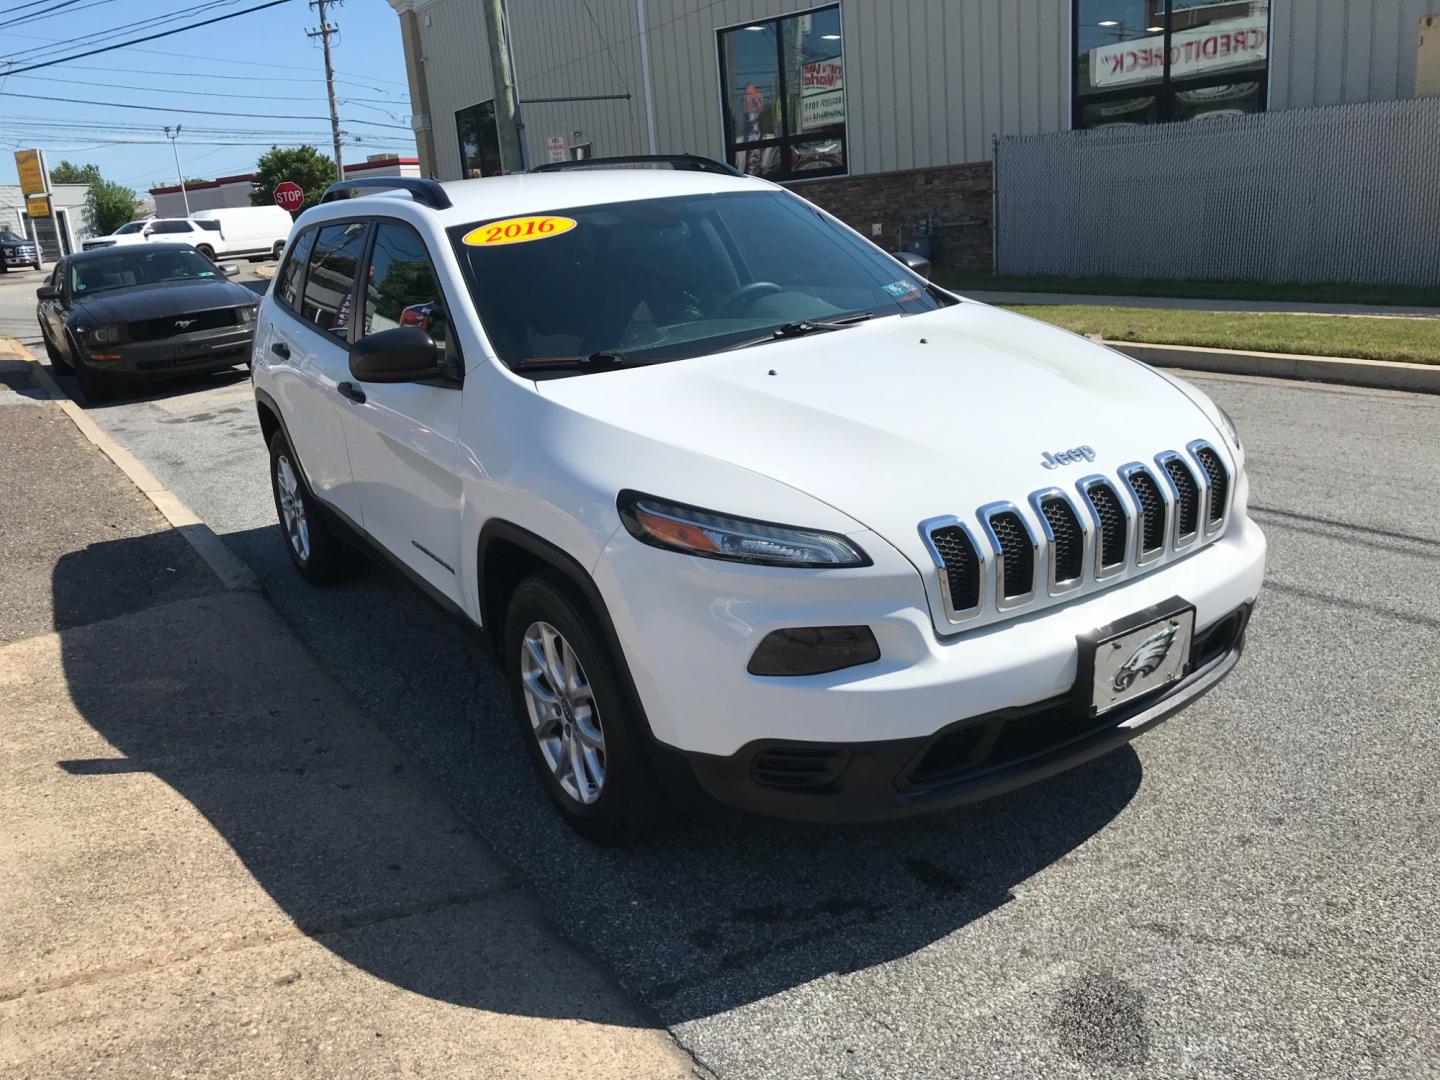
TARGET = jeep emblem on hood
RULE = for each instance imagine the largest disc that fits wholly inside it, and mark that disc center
(1067, 457)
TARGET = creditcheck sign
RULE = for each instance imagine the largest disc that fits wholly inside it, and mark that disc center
(1231, 43)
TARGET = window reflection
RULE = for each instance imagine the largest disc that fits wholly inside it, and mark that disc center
(1214, 65)
(784, 95)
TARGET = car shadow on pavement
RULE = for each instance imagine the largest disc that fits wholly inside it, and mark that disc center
(694, 921)
(136, 393)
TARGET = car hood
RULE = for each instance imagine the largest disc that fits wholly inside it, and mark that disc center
(158, 301)
(904, 418)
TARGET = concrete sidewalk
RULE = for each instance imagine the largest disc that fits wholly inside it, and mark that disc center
(1261, 306)
(212, 863)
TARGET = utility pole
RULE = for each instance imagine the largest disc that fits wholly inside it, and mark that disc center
(324, 31)
(174, 145)
(506, 121)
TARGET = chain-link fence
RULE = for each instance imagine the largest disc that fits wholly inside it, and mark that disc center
(1343, 193)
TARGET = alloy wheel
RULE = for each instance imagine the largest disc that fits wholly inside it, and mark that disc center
(292, 507)
(563, 712)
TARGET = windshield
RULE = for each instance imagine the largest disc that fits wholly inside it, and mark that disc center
(7, 237)
(666, 279)
(122, 268)
(134, 226)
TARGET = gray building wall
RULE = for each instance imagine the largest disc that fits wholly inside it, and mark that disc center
(929, 82)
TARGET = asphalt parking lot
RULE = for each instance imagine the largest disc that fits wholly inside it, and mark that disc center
(1249, 891)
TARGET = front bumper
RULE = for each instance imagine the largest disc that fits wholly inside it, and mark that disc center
(23, 257)
(968, 761)
(210, 350)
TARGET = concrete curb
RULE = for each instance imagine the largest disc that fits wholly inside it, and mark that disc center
(1380, 374)
(233, 573)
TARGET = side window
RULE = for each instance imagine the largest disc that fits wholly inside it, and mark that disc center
(208, 225)
(402, 289)
(287, 282)
(164, 226)
(329, 284)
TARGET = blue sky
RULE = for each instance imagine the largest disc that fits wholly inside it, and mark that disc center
(259, 66)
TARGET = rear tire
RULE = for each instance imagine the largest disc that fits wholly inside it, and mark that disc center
(579, 729)
(276, 251)
(206, 250)
(319, 556)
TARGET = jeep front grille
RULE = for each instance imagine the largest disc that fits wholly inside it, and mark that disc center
(1117, 525)
(1219, 484)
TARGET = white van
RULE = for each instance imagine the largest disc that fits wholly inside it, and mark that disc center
(257, 231)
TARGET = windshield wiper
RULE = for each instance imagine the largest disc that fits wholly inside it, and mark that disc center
(595, 361)
(803, 327)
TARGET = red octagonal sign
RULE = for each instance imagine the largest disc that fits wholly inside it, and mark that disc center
(288, 196)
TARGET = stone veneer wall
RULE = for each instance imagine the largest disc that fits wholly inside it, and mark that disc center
(896, 201)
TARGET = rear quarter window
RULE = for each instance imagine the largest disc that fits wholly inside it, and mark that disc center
(288, 280)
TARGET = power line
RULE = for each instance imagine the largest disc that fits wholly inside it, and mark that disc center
(36, 16)
(183, 93)
(60, 45)
(151, 37)
(195, 112)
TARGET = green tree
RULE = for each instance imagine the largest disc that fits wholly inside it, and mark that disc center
(67, 172)
(109, 205)
(303, 165)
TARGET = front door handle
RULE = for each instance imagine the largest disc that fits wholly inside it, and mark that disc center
(281, 350)
(351, 391)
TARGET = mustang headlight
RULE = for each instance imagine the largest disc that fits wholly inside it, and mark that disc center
(106, 335)
(688, 529)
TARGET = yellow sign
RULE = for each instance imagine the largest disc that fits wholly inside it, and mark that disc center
(32, 172)
(518, 230)
(37, 205)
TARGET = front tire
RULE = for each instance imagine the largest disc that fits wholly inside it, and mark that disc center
(575, 718)
(56, 356)
(320, 557)
(206, 250)
(93, 386)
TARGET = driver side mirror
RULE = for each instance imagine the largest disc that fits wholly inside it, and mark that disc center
(229, 269)
(404, 354)
(47, 292)
(918, 263)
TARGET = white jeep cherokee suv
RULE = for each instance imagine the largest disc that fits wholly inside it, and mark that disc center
(746, 506)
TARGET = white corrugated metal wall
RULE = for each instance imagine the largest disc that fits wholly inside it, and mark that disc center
(929, 82)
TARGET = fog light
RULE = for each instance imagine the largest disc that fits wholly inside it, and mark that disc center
(813, 650)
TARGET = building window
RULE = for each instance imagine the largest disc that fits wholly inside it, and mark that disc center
(1152, 61)
(479, 141)
(783, 82)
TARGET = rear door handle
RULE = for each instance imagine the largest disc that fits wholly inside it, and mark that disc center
(351, 391)
(281, 350)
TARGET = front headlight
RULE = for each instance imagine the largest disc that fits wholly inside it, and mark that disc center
(688, 529)
(105, 335)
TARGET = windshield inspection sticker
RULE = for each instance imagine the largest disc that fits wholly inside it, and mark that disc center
(518, 230)
(902, 290)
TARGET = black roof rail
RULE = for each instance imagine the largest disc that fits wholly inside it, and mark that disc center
(427, 192)
(676, 161)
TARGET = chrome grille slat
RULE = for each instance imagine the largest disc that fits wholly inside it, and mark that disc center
(1121, 523)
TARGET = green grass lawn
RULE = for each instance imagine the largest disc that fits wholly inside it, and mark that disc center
(1203, 290)
(1367, 338)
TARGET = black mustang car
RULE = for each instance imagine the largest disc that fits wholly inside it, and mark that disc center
(143, 312)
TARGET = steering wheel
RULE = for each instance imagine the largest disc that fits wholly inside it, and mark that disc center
(746, 295)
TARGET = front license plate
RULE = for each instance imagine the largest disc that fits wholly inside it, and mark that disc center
(1128, 663)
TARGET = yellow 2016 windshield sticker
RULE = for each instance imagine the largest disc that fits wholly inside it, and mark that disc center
(518, 230)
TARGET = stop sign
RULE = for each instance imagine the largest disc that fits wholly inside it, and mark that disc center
(288, 196)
